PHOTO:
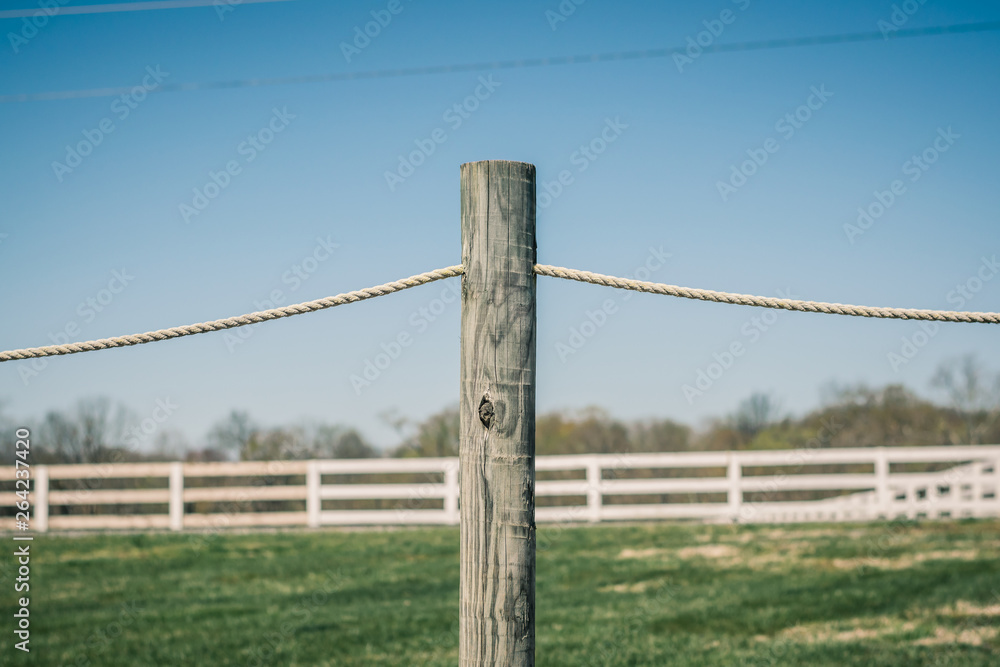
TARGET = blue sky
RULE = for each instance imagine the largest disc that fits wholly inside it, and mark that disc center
(311, 214)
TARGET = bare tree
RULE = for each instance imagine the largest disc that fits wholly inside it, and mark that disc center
(170, 445)
(965, 382)
(87, 434)
(754, 414)
(234, 433)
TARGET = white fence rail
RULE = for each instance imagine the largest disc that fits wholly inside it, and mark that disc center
(745, 486)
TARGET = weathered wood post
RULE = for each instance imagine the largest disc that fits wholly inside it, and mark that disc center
(497, 406)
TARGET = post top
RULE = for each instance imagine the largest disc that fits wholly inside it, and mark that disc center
(499, 162)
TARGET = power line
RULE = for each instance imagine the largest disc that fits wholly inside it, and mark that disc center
(121, 7)
(757, 45)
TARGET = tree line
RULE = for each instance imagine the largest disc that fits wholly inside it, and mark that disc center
(97, 430)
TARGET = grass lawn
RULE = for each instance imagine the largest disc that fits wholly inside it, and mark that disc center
(641, 594)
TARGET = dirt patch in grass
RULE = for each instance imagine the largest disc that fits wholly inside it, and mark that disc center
(905, 561)
(638, 587)
(970, 636)
(714, 551)
(723, 555)
(919, 621)
(708, 551)
(850, 630)
(643, 553)
(785, 534)
(964, 608)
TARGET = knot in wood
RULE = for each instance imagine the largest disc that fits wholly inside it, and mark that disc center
(486, 412)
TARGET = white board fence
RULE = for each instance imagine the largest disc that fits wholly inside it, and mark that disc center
(744, 486)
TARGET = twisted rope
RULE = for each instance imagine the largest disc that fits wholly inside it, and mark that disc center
(767, 302)
(233, 322)
(540, 269)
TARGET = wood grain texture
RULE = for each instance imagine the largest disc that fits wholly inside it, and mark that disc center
(497, 405)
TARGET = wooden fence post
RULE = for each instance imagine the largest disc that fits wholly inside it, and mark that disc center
(497, 407)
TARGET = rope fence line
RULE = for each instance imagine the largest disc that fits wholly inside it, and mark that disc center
(540, 269)
(767, 302)
(233, 322)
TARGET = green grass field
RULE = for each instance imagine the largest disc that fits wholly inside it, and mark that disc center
(642, 594)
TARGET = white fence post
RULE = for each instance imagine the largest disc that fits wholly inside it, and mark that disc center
(451, 492)
(313, 501)
(976, 487)
(594, 496)
(882, 491)
(42, 499)
(979, 485)
(734, 474)
(176, 496)
(994, 487)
